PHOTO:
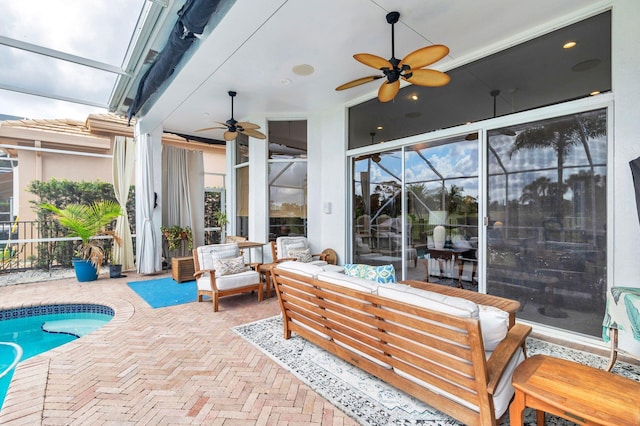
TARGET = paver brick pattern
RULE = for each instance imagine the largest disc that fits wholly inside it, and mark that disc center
(169, 366)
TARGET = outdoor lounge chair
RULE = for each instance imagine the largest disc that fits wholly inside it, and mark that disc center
(220, 271)
(295, 248)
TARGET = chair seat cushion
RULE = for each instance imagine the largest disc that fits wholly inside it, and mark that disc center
(229, 282)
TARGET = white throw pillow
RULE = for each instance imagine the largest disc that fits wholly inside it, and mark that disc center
(229, 266)
(300, 254)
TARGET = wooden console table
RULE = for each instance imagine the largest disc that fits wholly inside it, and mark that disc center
(452, 254)
(507, 305)
(576, 392)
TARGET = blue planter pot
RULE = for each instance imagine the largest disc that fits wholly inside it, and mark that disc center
(85, 270)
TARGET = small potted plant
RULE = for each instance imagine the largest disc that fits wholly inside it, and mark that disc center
(176, 234)
(115, 269)
(221, 220)
(87, 222)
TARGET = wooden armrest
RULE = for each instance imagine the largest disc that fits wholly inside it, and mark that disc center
(320, 256)
(200, 272)
(514, 339)
(254, 265)
(285, 259)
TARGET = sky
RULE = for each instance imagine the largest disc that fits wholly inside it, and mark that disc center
(97, 29)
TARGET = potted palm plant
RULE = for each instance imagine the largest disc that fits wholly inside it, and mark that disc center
(87, 222)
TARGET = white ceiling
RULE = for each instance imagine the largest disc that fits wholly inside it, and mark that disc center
(256, 44)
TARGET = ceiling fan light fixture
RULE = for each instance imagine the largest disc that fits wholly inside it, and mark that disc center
(234, 127)
(410, 68)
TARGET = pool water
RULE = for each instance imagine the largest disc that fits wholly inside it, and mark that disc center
(40, 333)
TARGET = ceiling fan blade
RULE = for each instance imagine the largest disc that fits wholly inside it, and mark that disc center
(358, 82)
(372, 61)
(431, 78)
(253, 133)
(209, 128)
(247, 125)
(425, 56)
(388, 91)
(229, 136)
(223, 124)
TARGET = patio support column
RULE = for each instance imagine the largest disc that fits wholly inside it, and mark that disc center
(148, 172)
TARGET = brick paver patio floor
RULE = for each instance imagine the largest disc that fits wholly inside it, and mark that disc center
(174, 365)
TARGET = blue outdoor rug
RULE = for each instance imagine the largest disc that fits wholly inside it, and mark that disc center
(163, 292)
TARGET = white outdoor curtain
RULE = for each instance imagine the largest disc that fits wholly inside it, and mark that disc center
(183, 183)
(124, 156)
(149, 259)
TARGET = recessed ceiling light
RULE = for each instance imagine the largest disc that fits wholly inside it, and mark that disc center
(569, 44)
(379, 128)
(303, 69)
(595, 92)
(414, 97)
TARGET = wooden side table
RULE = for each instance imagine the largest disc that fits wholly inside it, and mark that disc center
(265, 271)
(576, 392)
(182, 269)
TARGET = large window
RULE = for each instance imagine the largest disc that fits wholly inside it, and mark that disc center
(287, 178)
(546, 237)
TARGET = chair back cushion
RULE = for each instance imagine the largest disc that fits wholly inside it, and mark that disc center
(284, 244)
(206, 254)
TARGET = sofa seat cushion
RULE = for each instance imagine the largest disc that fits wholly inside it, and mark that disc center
(333, 268)
(501, 398)
(353, 283)
(228, 282)
(430, 300)
(306, 269)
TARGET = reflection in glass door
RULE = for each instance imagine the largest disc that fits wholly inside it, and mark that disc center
(377, 217)
(546, 230)
(441, 197)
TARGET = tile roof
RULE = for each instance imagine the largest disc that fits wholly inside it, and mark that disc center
(68, 126)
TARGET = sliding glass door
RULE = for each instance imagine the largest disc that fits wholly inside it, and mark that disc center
(546, 229)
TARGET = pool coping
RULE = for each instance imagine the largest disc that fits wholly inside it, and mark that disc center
(30, 378)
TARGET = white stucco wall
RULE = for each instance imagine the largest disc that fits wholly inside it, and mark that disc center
(327, 180)
(624, 223)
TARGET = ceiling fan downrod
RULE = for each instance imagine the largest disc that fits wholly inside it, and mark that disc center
(232, 122)
(394, 73)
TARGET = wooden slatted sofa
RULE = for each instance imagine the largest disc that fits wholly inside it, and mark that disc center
(446, 351)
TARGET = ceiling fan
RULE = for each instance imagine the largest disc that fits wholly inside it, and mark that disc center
(409, 68)
(234, 127)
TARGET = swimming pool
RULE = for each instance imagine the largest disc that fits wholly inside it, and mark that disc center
(37, 329)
